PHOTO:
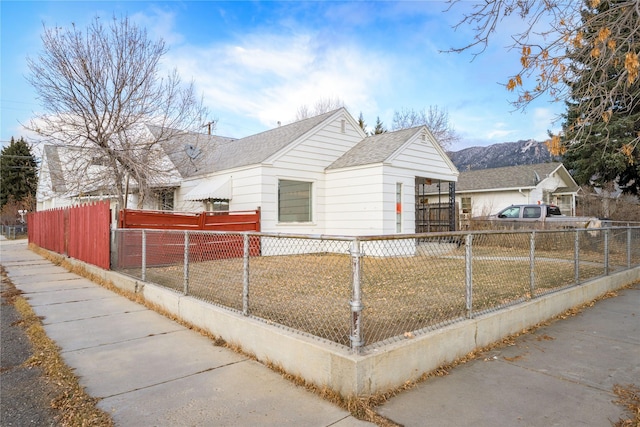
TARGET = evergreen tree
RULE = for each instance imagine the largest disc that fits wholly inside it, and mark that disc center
(18, 176)
(361, 122)
(379, 127)
(608, 150)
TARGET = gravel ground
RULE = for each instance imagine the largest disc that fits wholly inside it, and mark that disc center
(25, 394)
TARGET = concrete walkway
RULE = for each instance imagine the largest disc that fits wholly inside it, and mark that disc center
(150, 371)
(560, 375)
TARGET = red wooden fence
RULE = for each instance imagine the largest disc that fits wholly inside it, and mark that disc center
(81, 232)
(166, 248)
(212, 221)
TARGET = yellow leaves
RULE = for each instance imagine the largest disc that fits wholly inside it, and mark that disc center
(577, 40)
(555, 146)
(524, 59)
(627, 150)
(594, 3)
(606, 116)
(603, 34)
(514, 82)
(602, 40)
(632, 65)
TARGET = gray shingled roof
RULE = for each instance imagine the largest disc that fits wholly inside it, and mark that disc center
(374, 149)
(523, 176)
(257, 148)
(202, 147)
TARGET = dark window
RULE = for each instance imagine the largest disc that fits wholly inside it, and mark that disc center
(165, 199)
(294, 201)
(553, 210)
(531, 212)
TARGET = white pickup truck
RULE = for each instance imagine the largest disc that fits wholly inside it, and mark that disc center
(541, 216)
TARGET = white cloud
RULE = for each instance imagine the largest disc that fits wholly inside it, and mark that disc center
(267, 77)
(159, 25)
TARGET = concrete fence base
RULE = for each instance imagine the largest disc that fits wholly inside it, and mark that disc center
(327, 365)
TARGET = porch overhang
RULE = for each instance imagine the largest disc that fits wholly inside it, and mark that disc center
(211, 189)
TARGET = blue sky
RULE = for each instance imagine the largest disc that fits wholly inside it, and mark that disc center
(255, 63)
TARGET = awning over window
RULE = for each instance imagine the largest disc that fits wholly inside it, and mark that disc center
(219, 188)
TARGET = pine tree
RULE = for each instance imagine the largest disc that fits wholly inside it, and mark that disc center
(608, 150)
(18, 176)
(379, 127)
(361, 122)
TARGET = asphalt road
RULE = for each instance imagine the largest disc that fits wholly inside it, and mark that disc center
(25, 394)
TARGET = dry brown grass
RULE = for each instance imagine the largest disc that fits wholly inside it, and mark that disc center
(629, 399)
(361, 407)
(74, 408)
(400, 294)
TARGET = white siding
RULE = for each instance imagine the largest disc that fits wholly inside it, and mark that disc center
(306, 161)
(392, 176)
(355, 201)
(423, 159)
(246, 190)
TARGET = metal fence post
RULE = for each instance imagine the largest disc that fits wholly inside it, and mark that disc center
(186, 263)
(628, 247)
(245, 276)
(356, 298)
(468, 274)
(144, 256)
(532, 264)
(606, 252)
(576, 258)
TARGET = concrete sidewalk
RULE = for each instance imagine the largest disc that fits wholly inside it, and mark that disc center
(561, 375)
(150, 371)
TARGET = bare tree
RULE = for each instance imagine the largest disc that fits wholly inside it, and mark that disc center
(434, 118)
(100, 89)
(551, 30)
(323, 105)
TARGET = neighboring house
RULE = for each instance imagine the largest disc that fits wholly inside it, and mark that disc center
(486, 191)
(69, 176)
(318, 175)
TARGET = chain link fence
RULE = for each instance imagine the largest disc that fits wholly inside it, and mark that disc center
(365, 292)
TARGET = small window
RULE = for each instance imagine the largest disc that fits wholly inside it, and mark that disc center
(217, 205)
(465, 203)
(511, 212)
(553, 210)
(165, 199)
(294, 201)
(531, 212)
(343, 126)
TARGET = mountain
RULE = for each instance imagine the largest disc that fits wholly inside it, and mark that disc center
(499, 155)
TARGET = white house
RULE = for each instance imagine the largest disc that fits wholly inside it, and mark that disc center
(321, 175)
(486, 191)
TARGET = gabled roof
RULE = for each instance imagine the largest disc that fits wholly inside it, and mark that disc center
(375, 148)
(255, 149)
(510, 177)
(190, 152)
(56, 175)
